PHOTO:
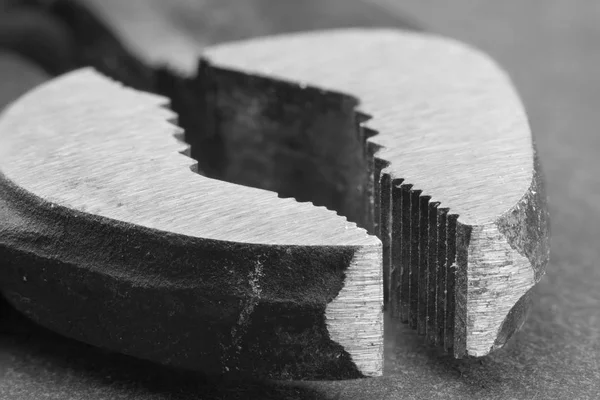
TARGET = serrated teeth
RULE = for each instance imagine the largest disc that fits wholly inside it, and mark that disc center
(419, 237)
(419, 251)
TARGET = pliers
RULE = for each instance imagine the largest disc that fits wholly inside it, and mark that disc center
(406, 179)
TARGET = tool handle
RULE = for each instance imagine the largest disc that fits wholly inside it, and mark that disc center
(37, 36)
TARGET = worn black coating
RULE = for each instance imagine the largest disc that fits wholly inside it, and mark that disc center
(170, 298)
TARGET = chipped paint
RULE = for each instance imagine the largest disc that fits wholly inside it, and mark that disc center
(254, 278)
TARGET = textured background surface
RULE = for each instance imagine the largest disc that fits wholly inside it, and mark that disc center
(552, 50)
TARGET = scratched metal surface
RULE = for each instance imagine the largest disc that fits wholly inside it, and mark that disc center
(552, 50)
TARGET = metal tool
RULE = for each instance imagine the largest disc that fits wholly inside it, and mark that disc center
(124, 231)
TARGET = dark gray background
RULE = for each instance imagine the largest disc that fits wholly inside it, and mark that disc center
(551, 48)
